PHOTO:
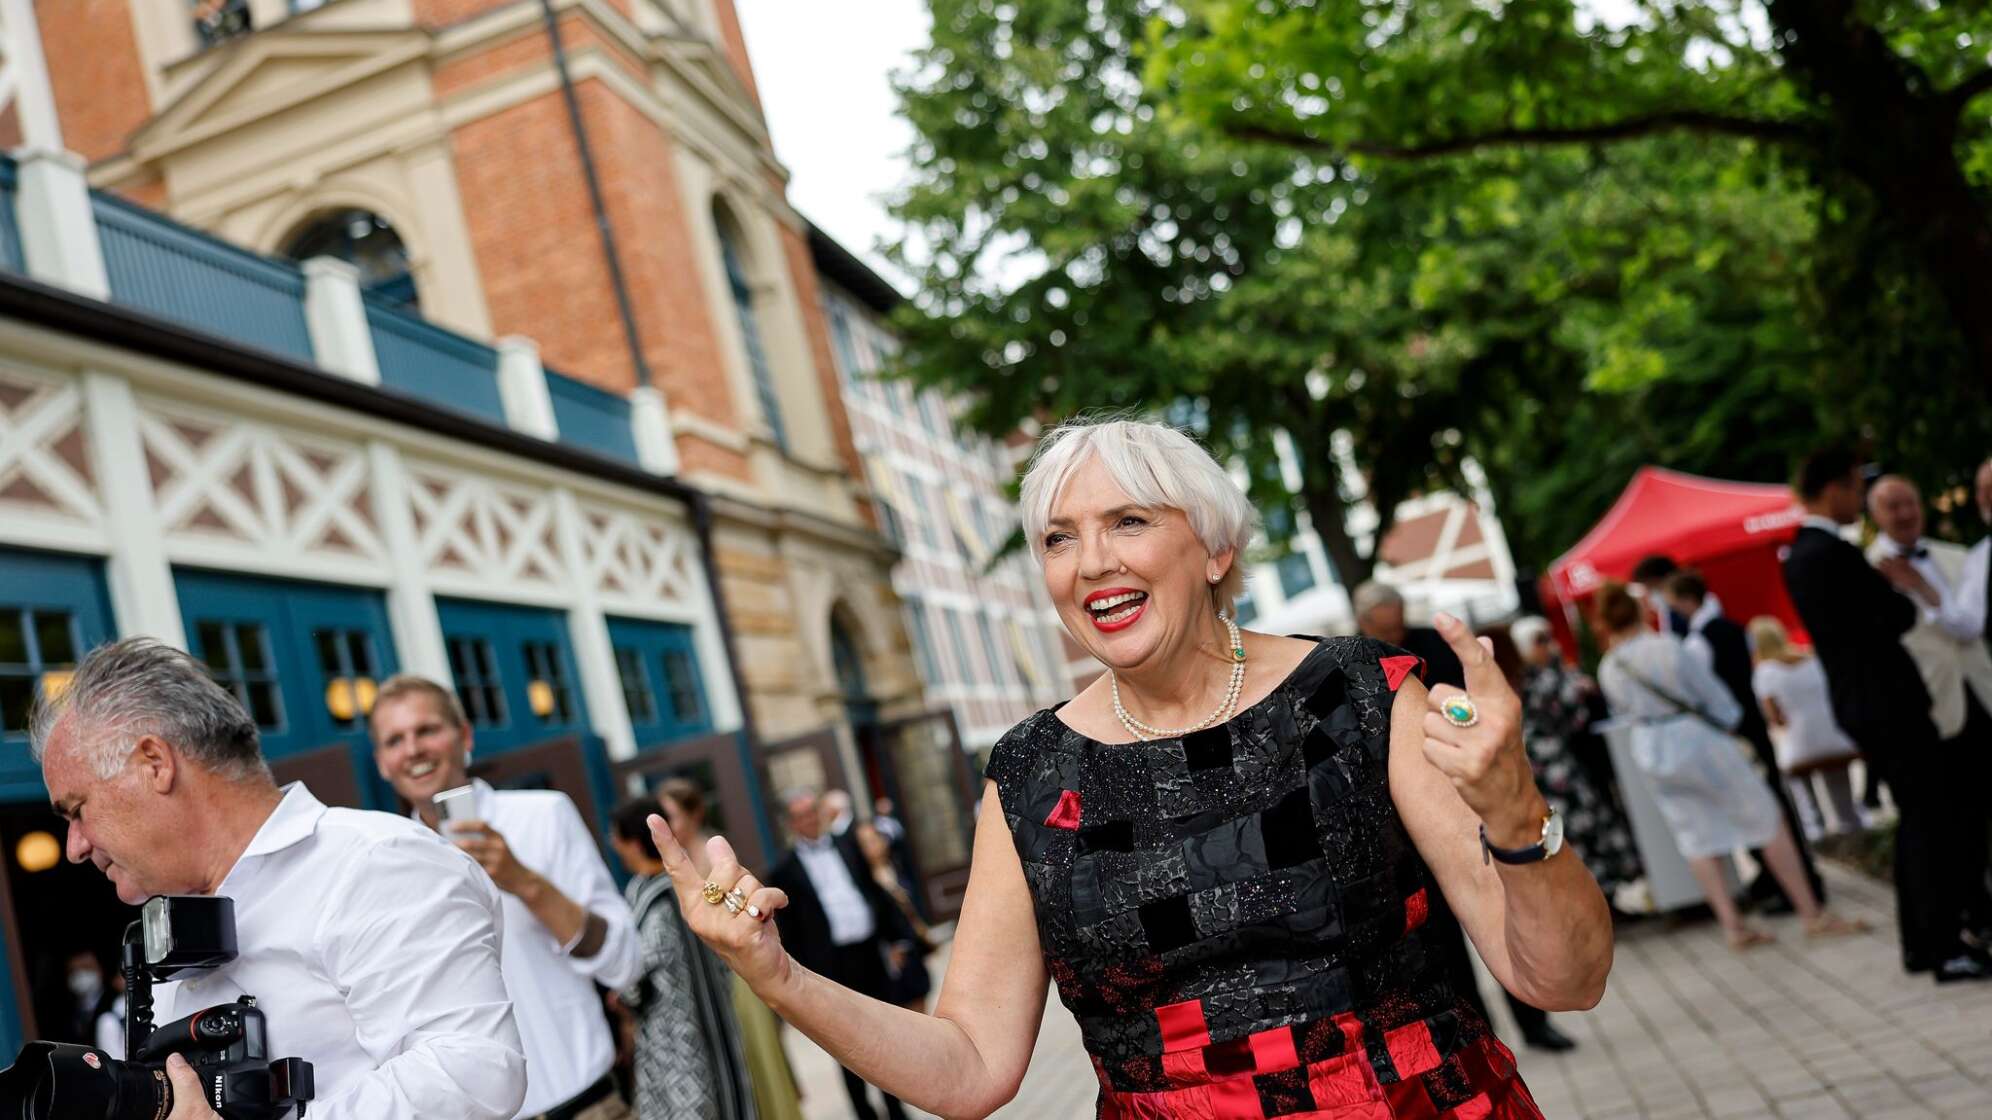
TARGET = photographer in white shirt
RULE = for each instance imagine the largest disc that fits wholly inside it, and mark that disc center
(372, 948)
(567, 927)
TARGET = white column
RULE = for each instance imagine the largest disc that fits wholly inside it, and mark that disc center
(27, 73)
(656, 451)
(58, 230)
(140, 578)
(337, 319)
(588, 628)
(411, 605)
(522, 388)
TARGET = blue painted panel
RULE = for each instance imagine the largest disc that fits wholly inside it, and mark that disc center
(160, 266)
(11, 257)
(443, 367)
(296, 618)
(510, 630)
(591, 418)
(48, 582)
(48, 585)
(663, 685)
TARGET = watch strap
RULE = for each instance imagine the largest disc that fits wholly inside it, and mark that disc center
(1534, 853)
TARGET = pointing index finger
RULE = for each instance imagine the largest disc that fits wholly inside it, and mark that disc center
(677, 864)
(1474, 654)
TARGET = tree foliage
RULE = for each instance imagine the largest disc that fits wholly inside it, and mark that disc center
(1129, 204)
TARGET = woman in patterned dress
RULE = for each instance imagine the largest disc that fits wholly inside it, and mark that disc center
(1223, 852)
(1555, 717)
(688, 1061)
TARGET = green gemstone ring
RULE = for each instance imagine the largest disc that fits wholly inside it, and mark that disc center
(1459, 711)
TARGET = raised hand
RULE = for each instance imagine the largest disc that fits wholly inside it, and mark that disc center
(1485, 760)
(746, 940)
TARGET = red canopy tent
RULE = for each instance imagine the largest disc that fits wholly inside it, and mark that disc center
(1733, 532)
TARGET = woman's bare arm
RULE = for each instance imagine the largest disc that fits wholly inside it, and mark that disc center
(1543, 928)
(964, 1060)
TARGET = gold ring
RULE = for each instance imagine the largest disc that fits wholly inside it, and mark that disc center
(1460, 711)
(712, 894)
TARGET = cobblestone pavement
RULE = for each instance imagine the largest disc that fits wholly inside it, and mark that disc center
(1687, 1031)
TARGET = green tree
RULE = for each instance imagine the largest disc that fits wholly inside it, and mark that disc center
(1872, 103)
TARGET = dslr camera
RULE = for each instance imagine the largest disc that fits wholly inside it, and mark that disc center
(226, 1044)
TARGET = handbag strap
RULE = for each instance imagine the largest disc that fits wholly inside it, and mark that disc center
(1680, 706)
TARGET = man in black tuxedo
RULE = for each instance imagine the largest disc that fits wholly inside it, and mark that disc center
(838, 922)
(1652, 572)
(1379, 610)
(1725, 649)
(1857, 621)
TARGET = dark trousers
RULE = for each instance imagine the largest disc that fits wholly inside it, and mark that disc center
(1933, 891)
(1766, 884)
(1968, 808)
(861, 968)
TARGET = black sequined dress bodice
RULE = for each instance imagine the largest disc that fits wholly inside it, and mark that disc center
(1238, 919)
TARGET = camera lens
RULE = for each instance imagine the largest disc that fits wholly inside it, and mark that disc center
(58, 1081)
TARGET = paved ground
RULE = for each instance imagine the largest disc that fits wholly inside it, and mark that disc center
(1687, 1031)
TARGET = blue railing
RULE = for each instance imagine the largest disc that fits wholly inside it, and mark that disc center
(443, 367)
(591, 418)
(11, 257)
(160, 266)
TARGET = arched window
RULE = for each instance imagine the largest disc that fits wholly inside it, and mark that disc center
(365, 240)
(750, 330)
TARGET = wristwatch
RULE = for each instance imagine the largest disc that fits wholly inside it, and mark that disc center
(1550, 844)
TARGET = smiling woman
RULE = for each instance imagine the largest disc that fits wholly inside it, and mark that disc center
(1243, 913)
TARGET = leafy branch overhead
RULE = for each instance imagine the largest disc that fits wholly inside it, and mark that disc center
(1408, 233)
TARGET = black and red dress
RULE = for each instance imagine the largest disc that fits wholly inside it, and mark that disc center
(1237, 918)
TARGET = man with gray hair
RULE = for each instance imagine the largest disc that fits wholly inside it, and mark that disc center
(838, 922)
(371, 946)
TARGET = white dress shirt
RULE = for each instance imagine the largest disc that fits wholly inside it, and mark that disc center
(566, 1037)
(849, 914)
(1971, 589)
(373, 950)
(1697, 642)
(1949, 650)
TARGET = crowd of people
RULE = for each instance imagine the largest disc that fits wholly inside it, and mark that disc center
(1233, 853)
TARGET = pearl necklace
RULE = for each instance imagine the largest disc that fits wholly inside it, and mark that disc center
(1144, 732)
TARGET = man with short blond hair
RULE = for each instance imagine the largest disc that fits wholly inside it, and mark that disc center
(567, 927)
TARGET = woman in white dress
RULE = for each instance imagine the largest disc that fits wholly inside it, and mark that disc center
(1682, 718)
(1811, 747)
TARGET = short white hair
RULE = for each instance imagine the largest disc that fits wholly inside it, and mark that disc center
(1158, 466)
(1527, 629)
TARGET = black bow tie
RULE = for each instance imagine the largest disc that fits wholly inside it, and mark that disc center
(1918, 553)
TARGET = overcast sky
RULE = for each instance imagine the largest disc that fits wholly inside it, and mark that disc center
(825, 80)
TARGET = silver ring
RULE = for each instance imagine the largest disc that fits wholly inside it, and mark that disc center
(734, 901)
(1460, 710)
(754, 911)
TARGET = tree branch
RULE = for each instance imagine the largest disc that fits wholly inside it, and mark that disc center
(1960, 95)
(1671, 120)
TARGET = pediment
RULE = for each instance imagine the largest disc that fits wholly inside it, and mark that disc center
(703, 60)
(267, 73)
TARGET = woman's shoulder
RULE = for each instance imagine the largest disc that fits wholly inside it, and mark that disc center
(1015, 751)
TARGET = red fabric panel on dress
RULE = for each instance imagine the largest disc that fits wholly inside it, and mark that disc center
(1416, 909)
(1345, 1087)
(1479, 1108)
(1409, 1101)
(1066, 815)
(1185, 1067)
(1411, 1050)
(1236, 1098)
(1272, 1051)
(1183, 1026)
(1395, 669)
